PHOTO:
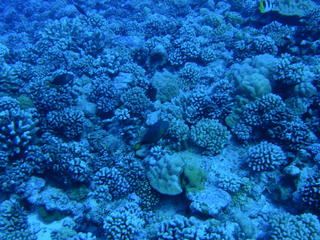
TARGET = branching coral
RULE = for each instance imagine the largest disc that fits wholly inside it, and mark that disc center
(289, 227)
(265, 156)
(117, 185)
(125, 222)
(209, 135)
(17, 127)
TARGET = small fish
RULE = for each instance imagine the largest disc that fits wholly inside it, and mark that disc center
(259, 21)
(62, 79)
(154, 133)
(77, 6)
(80, 9)
(265, 6)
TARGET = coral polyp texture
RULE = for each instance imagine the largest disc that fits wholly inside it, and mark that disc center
(287, 226)
(210, 135)
(310, 193)
(265, 157)
(159, 120)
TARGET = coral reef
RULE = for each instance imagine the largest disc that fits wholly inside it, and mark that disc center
(310, 194)
(172, 119)
(210, 135)
(18, 127)
(165, 175)
(136, 101)
(116, 184)
(286, 226)
(68, 123)
(14, 224)
(126, 222)
(265, 156)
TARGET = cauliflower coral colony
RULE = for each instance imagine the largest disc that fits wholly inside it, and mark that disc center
(159, 120)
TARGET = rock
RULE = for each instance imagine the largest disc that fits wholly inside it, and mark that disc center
(209, 201)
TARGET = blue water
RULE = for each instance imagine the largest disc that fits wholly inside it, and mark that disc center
(169, 120)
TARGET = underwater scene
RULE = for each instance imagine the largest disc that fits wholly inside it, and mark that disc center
(159, 120)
